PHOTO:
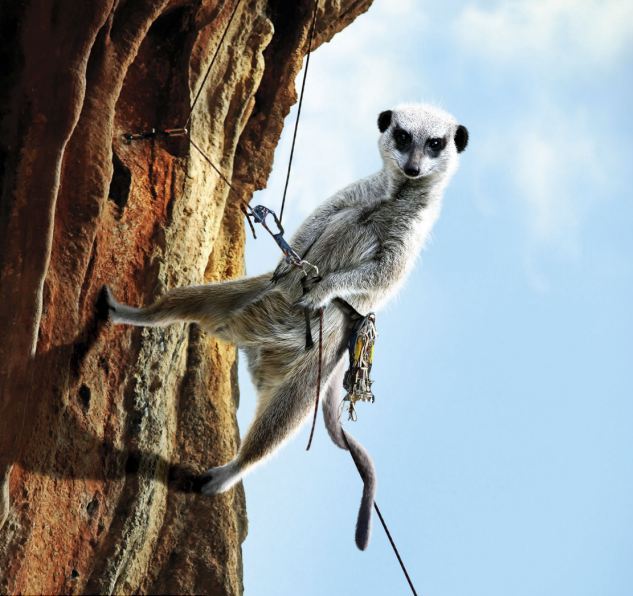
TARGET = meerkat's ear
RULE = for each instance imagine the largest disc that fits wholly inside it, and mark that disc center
(461, 138)
(384, 120)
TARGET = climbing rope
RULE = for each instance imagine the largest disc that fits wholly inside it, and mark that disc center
(184, 130)
(208, 160)
(303, 86)
(215, 55)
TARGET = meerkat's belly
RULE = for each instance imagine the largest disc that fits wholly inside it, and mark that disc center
(278, 343)
(344, 246)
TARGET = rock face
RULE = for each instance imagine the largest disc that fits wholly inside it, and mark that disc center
(100, 425)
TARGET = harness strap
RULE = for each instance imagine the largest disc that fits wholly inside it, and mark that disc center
(309, 341)
(348, 309)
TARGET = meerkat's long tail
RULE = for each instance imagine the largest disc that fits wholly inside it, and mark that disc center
(362, 459)
(368, 474)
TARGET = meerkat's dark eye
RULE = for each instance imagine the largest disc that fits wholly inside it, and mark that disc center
(402, 138)
(436, 144)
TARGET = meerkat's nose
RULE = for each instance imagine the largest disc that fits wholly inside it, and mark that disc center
(411, 171)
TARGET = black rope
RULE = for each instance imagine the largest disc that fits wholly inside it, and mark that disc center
(210, 162)
(303, 84)
(395, 549)
(153, 133)
(320, 365)
(383, 523)
(215, 55)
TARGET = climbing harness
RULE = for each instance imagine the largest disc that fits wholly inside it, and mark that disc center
(361, 355)
(362, 338)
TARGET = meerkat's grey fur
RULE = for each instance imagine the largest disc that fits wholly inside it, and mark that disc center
(364, 240)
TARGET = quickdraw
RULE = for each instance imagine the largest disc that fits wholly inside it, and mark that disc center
(259, 214)
(153, 133)
(356, 381)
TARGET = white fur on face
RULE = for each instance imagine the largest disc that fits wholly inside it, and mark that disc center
(423, 122)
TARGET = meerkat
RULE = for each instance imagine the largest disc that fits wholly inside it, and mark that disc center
(364, 241)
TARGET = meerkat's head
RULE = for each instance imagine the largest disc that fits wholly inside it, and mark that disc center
(420, 141)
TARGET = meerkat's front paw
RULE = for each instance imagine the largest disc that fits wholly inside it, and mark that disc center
(220, 479)
(317, 293)
(313, 300)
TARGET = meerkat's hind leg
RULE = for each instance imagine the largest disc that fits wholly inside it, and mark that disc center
(277, 418)
(210, 305)
(122, 313)
(220, 479)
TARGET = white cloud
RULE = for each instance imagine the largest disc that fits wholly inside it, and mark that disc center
(547, 131)
(559, 176)
(546, 174)
(581, 34)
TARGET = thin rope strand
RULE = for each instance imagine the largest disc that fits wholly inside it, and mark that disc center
(384, 524)
(215, 55)
(208, 160)
(395, 549)
(303, 84)
(318, 391)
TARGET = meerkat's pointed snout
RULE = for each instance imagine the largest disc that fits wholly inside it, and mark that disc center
(412, 171)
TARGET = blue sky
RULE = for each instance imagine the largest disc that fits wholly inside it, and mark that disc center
(502, 430)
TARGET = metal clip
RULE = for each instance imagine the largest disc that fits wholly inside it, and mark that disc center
(152, 133)
(259, 215)
(128, 137)
(175, 132)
